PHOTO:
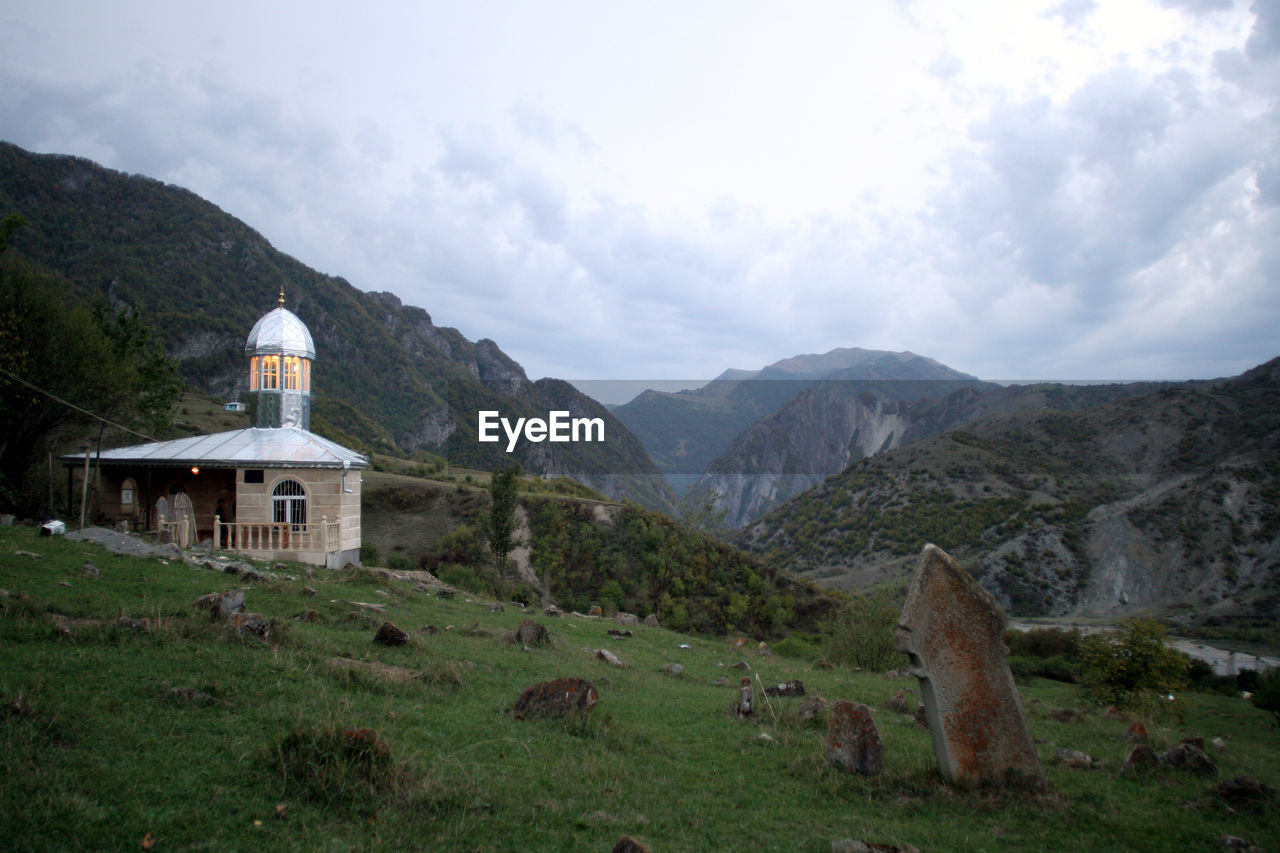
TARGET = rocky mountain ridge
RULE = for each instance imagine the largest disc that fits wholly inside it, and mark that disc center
(1160, 499)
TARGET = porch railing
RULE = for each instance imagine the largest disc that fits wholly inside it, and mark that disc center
(277, 535)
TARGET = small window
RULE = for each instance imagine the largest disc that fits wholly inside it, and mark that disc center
(270, 372)
(253, 373)
(291, 371)
(253, 475)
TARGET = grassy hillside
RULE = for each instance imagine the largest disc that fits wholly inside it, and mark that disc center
(191, 736)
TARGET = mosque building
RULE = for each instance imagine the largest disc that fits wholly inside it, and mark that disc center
(272, 491)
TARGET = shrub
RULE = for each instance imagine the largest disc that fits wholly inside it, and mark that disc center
(1267, 696)
(861, 633)
(796, 647)
(368, 554)
(1131, 666)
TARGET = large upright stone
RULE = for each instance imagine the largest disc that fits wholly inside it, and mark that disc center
(953, 632)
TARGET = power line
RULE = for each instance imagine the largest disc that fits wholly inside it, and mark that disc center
(58, 399)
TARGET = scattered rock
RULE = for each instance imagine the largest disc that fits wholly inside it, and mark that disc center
(252, 623)
(764, 649)
(619, 632)
(595, 611)
(899, 702)
(125, 544)
(308, 591)
(721, 682)
(851, 845)
(786, 688)
(1137, 732)
(823, 663)
(1232, 842)
(652, 621)
(308, 616)
(765, 737)
(531, 633)
(91, 570)
(812, 707)
(743, 665)
(610, 658)
(558, 698)
(1244, 793)
(628, 619)
(674, 669)
(1113, 713)
(1219, 743)
(552, 610)
(853, 742)
(370, 606)
(445, 593)
(738, 643)
(137, 626)
(921, 716)
(221, 604)
(389, 635)
(1196, 740)
(1075, 758)
(496, 608)
(431, 630)
(508, 638)
(1189, 757)
(627, 844)
(67, 584)
(1141, 759)
(895, 674)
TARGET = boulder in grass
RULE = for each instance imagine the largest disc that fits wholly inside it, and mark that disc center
(556, 699)
(390, 635)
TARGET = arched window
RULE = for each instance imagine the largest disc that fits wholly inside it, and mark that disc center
(289, 503)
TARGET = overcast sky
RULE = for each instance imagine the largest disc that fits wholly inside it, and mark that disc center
(1067, 190)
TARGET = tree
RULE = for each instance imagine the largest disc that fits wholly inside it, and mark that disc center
(1267, 694)
(501, 522)
(1132, 665)
(64, 366)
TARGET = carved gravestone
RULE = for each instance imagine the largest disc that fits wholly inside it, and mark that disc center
(953, 632)
(853, 742)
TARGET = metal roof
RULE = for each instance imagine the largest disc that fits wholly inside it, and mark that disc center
(255, 447)
(280, 332)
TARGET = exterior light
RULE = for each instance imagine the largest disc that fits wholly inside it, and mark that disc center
(195, 469)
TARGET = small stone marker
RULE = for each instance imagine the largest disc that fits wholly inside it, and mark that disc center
(1140, 759)
(627, 844)
(853, 742)
(557, 698)
(595, 610)
(952, 630)
(628, 619)
(812, 707)
(745, 705)
(530, 633)
(1188, 756)
(899, 701)
(389, 635)
(610, 658)
(651, 621)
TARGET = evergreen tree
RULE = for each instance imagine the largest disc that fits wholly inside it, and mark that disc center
(500, 525)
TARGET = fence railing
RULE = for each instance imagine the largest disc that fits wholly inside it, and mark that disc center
(324, 536)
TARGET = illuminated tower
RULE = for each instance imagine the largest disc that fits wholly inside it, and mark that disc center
(280, 352)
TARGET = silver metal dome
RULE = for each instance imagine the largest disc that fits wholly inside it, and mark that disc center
(280, 332)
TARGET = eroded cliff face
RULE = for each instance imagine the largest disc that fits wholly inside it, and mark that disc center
(818, 434)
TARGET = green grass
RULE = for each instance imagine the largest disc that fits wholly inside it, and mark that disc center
(205, 739)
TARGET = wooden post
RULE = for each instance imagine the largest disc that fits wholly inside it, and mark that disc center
(84, 486)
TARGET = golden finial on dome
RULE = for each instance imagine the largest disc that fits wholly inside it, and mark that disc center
(282, 296)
